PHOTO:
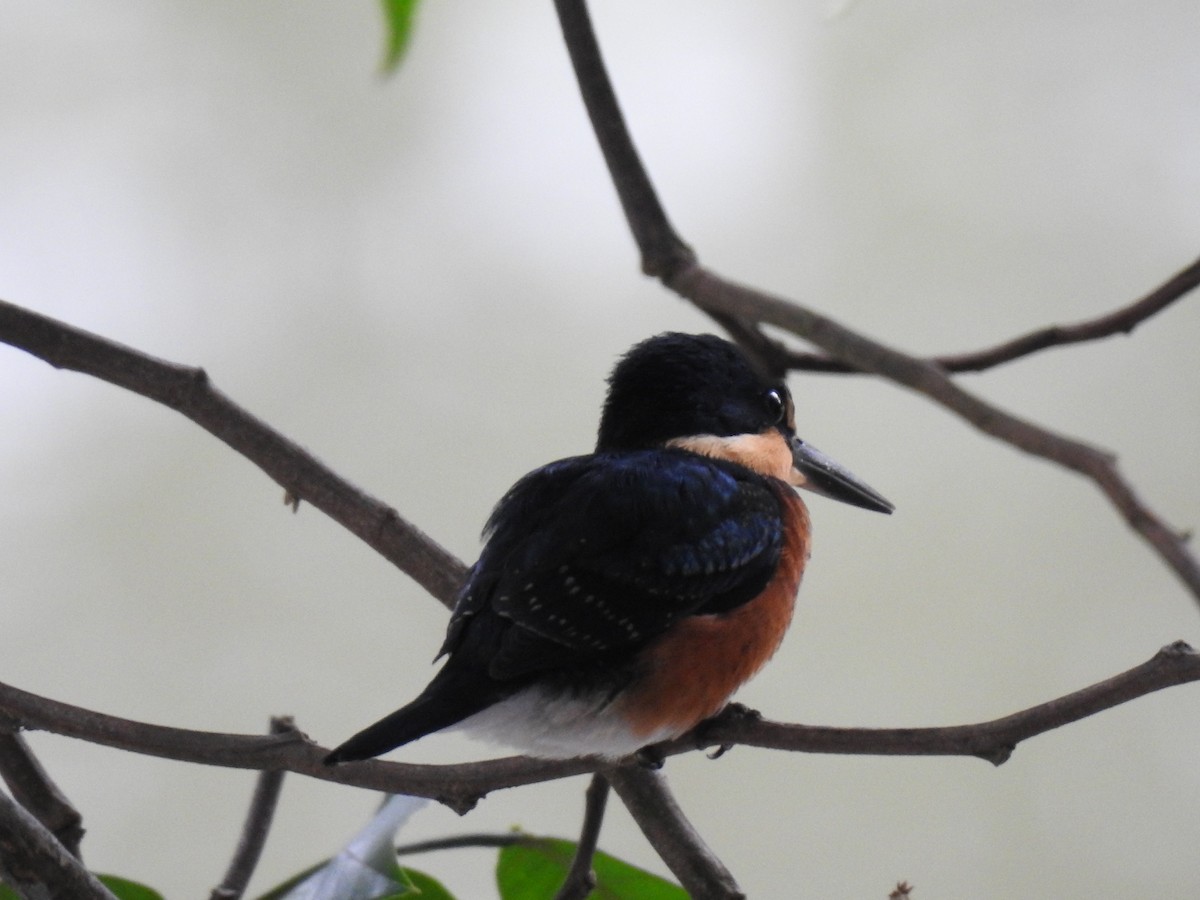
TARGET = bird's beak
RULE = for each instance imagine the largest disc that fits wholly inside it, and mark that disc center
(815, 471)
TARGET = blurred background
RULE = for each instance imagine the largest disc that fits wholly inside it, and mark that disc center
(425, 279)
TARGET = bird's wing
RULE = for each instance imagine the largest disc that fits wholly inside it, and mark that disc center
(595, 556)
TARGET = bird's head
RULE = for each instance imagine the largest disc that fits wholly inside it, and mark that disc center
(700, 393)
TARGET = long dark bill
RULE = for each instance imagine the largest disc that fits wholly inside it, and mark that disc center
(825, 477)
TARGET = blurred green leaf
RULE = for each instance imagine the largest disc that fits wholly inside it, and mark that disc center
(398, 17)
(535, 871)
(428, 887)
(401, 887)
(125, 889)
(122, 888)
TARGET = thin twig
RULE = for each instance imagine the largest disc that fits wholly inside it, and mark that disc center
(662, 249)
(580, 878)
(464, 841)
(187, 390)
(257, 825)
(645, 794)
(711, 291)
(725, 299)
(1120, 321)
(994, 740)
(35, 790)
(35, 864)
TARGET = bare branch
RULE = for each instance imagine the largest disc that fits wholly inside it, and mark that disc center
(993, 741)
(461, 841)
(662, 249)
(35, 864)
(645, 794)
(663, 258)
(726, 300)
(580, 878)
(257, 824)
(711, 291)
(33, 788)
(457, 786)
(188, 391)
(1120, 321)
(460, 786)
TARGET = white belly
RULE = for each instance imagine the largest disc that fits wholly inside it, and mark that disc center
(557, 727)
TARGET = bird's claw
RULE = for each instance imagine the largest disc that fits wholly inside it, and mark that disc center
(733, 713)
(650, 757)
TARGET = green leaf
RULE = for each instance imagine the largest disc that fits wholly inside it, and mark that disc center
(428, 887)
(398, 16)
(124, 889)
(402, 886)
(536, 870)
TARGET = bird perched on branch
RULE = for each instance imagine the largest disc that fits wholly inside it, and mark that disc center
(622, 597)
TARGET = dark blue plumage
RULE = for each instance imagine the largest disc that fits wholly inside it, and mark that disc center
(632, 541)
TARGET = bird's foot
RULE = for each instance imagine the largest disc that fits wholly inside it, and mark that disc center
(650, 757)
(734, 712)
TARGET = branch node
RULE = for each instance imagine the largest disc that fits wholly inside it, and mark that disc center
(193, 385)
(1176, 650)
(581, 880)
(387, 519)
(998, 756)
(460, 803)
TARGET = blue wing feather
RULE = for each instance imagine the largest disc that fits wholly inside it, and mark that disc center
(597, 555)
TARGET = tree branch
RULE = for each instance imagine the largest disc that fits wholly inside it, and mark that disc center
(456, 786)
(33, 788)
(726, 300)
(711, 291)
(188, 391)
(461, 841)
(580, 878)
(35, 864)
(646, 795)
(663, 252)
(257, 825)
(994, 740)
(460, 786)
(1120, 321)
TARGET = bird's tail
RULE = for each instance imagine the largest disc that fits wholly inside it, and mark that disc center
(452, 696)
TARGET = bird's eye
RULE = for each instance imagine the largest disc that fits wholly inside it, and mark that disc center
(775, 406)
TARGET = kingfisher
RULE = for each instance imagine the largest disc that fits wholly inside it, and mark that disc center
(622, 597)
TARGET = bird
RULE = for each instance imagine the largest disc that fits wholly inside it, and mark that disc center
(621, 597)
